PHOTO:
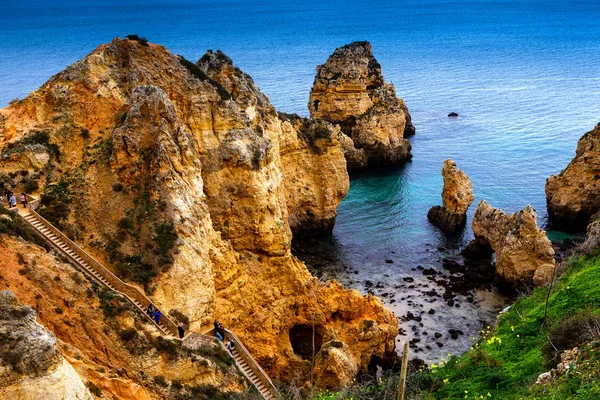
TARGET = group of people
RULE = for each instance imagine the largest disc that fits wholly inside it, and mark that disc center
(155, 314)
(12, 200)
(220, 333)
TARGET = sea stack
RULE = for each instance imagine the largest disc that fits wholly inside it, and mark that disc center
(573, 196)
(349, 90)
(523, 252)
(457, 196)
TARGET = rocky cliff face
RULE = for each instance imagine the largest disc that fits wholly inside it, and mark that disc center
(349, 90)
(457, 196)
(182, 177)
(31, 365)
(573, 195)
(523, 252)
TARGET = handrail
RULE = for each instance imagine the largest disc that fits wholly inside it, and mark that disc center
(128, 290)
(133, 294)
(250, 361)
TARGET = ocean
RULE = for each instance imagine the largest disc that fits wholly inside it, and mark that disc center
(524, 76)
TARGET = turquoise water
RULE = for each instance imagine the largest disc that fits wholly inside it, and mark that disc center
(523, 75)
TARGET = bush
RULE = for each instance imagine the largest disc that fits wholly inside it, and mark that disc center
(55, 203)
(30, 186)
(95, 390)
(140, 39)
(165, 239)
(16, 226)
(160, 381)
(84, 133)
(216, 353)
(117, 187)
(571, 332)
(169, 347)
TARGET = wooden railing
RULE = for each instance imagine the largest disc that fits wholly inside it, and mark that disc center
(250, 361)
(129, 291)
(134, 293)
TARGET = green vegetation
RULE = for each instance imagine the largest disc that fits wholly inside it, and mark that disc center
(55, 203)
(507, 361)
(38, 137)
(165, 239)
(140, 39)
(217, 354)
(14, 225)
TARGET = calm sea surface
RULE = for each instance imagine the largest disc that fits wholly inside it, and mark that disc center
(523, 75)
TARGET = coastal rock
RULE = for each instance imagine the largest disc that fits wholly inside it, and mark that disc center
(189, 183)
(573, 196)
(523, 252)
(592, 238)
(457, 196)
(31, 365)
(349, 90)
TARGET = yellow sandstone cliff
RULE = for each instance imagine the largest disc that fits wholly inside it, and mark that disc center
(183, 178)
(349, 90)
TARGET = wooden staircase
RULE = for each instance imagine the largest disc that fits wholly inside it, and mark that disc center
(85, 262)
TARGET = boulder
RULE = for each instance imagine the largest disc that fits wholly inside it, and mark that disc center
(523, 252)
(573, 196)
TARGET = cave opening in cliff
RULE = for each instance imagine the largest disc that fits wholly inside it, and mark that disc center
(301, 337)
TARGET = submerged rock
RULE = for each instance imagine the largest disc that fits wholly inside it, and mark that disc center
(457, 196)
(349, 90)
(573, 196)
(523, 252)
(453, 114)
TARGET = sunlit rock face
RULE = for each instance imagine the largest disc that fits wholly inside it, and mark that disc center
(457, 196)
(573, 196)
(182, 177)
(524, 254)
(349, 90)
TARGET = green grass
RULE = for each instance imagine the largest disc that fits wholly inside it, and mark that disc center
(507, 361)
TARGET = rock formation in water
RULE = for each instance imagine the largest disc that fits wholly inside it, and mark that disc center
(31, 365)
(183, 178)
(573, 196)
(523, 252)
(457, 196)
(349, 90)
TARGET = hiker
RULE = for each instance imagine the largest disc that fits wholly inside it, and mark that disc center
(23, 199)
(150, 311)
(12, 201)
(181, 331)
(216, 324)
(220, 332)
(157, 315)
(230, 346)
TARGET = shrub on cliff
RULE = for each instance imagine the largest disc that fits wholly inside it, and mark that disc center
(12, 224)
(198, 73)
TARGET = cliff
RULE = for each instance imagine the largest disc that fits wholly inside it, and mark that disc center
(572, 196)
(32, 366)
(183, 178)
(111, 347)
(523, 252)
(349, 90)
(457, 196)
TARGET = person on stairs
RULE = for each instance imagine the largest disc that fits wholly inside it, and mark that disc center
(157, 315)
(12, 201)
(220, 331)
(150, 310)
(181, 331)
(230, 346)
(23, 199)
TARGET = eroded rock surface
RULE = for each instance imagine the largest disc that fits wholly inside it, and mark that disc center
(349, 90)
(573, 196)
(457, 196)
(523, 252)
(182, 177)
(31, 366)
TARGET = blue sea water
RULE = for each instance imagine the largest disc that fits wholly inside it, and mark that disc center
(523, 75)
